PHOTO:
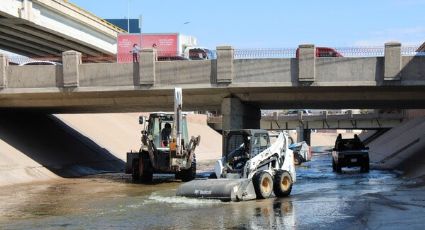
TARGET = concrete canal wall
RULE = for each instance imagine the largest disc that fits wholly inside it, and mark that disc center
(402, 148)
(36, 147)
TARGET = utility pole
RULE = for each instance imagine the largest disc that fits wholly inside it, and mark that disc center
(140, 27)
(128, 16)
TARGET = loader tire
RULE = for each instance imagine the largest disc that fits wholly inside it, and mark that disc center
(263, 184)
(282, 184)
(297, 159)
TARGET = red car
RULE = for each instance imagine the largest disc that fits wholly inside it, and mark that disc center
(324, 52)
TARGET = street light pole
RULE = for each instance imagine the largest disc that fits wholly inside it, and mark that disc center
(140, 27)
(128, 16)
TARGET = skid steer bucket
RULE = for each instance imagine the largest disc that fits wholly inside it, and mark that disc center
(222, 189)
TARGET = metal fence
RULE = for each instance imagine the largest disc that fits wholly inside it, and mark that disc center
(252, 53)
(376, 51)
(264, 53)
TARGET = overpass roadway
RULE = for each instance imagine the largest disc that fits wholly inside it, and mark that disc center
(236, 87)
(40, 28)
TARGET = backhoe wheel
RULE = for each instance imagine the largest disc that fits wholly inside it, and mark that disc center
(282, 184)
(145, 172)
(188, 174)
(135, 170)
(263, 184)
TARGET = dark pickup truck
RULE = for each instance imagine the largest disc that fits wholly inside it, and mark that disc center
(350, 153)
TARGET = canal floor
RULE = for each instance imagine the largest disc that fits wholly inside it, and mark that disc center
(321, 199)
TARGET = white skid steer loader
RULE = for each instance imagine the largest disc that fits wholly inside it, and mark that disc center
(250, 168)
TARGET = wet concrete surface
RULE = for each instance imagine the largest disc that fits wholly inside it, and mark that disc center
(321, 199)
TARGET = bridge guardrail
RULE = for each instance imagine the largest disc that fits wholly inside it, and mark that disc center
(365, 51)
(247, 53)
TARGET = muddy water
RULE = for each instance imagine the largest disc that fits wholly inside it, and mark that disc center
(320, 199)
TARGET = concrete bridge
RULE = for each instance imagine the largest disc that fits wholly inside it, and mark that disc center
(40, 28)
(323, 121)
(238, 88)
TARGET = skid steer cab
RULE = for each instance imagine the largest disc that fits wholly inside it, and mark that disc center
(250, 168)
(164, 150)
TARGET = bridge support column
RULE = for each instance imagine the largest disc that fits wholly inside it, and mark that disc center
(303, 134)
(392, 64)
(237, 115)
(307, 136)
(300, 133)
(147, 67)
(3, 73)
(71, 61)
(224, 64)
(306, 63)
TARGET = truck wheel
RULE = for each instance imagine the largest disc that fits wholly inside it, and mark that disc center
(282, 184)
(338, 168)
(135, 170)
(365, 167)
(263, 184)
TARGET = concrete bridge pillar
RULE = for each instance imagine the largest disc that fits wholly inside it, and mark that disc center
(307, 136)
(306, 63)
(303, 134)
(224, 64)
(3, 73)
(392, 64)
(147, 67)
(237, 115)
(71, 61)
(300, 133)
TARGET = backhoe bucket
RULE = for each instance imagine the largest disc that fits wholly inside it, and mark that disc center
(222, 189)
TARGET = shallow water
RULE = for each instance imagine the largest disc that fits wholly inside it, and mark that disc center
(319, 199)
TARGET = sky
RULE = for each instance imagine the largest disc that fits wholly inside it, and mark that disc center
(275, 23)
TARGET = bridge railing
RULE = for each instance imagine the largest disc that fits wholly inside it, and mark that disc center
(19, 60)
(245, 53)
(310, 67)
(255, 53)
(361, 51)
